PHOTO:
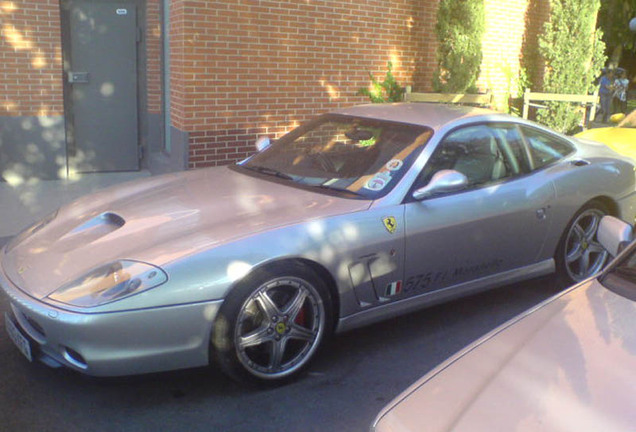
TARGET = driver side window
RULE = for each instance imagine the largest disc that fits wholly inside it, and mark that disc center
(484, 154)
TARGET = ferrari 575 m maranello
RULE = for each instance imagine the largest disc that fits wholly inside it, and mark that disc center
(356, 216)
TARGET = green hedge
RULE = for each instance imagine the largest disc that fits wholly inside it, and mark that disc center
(574, 55)
(460, 28)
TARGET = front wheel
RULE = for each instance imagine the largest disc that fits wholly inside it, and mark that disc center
(271, 325)
(580, 255)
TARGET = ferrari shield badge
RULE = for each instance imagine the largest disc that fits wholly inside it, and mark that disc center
(390, 224)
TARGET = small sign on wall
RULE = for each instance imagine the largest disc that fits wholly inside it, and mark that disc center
(122, 11)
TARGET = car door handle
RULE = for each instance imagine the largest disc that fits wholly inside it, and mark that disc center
(542, 213)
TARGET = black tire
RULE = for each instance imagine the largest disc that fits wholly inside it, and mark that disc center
(271, 324)
(579, 254)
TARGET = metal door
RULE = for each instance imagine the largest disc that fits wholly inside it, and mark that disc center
(103, 80)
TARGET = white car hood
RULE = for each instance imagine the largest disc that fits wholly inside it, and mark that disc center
(159, 220)
(568, 366)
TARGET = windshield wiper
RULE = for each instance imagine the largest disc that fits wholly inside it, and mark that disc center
(268, 171)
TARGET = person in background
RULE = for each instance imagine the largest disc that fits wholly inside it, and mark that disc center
(605, 92)
(620, 91)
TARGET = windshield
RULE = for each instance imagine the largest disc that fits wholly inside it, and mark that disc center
(621, 278)
(358, 156)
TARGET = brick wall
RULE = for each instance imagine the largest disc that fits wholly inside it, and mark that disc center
(511, 30)
(249, 68)
(246, 68)
(30, 58)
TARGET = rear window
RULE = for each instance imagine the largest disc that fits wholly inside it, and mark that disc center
(545, 148)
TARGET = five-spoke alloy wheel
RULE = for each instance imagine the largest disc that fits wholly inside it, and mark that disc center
(580, 255)
(271, 325)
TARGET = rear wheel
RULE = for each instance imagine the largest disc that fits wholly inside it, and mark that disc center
(580, 255)
(272, 324)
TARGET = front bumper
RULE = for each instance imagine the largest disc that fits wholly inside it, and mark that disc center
(117, 343)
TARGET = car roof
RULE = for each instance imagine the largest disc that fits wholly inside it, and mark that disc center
(424, 114)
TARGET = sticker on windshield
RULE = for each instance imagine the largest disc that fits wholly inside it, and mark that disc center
(376, 184)
(394, 165)
(379, 181)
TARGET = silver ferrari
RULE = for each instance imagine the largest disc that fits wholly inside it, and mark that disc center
(357, 216)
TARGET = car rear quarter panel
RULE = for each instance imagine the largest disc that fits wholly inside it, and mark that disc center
(610, 181)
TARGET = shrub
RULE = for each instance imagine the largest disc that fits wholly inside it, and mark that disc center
(460, 28)
(386, 91)
(574, 54)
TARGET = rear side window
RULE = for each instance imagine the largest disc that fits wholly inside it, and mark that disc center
(512, 146)
(545, 148)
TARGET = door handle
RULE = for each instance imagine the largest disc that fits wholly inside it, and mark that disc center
(542, 213)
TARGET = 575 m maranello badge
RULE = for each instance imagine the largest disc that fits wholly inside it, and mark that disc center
(390, 224)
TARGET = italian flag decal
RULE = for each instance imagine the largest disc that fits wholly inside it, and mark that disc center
(393, 289)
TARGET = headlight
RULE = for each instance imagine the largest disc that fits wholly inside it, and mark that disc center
(109, 283)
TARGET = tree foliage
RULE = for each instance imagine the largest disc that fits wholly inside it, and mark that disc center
(614, 17)
(574, 55)
(460, 27)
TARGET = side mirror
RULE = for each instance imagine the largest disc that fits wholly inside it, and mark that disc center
(614, 234)
(262, 143)
(444, 181)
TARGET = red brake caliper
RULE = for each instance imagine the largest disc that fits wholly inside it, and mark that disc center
(300, 318)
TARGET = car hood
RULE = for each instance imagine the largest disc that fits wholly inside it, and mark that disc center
(569, 365)
(159, 220)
